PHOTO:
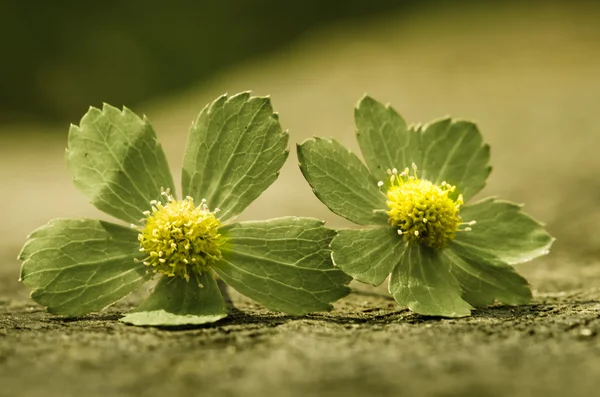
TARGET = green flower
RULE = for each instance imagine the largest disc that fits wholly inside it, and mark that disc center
(235, 150)
(445, 258)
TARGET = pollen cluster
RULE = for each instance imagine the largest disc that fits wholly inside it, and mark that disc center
(180, 238)
(422, 211)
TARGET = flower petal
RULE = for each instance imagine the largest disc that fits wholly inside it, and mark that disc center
(117, 162)
(485, 279)
(503, 231)
(423, 282)
(78, 266)
(368, 255)
(385, 140)
(443, 150)
(341, 181)
(176, 301)
(283, 264)
(453, 151)
(235, 150)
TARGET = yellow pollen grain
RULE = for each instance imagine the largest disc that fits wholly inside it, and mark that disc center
(180, 238)
(422, 211)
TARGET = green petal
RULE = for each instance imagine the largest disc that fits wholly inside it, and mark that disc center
(453, 151)
(176, 301)
(284, 264)
(484, 279)
(423, 282)
(117, 163)
(368, 255)
(444, 150)
(503, 231)
(341, 181)
(384, 139)
(78, 266)
(235, 150)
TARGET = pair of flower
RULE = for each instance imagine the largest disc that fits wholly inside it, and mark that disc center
(444, 259)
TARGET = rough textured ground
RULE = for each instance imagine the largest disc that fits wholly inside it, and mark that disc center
(368, 346)
(530, 78)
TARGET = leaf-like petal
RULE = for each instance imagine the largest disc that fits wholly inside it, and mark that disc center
(423, 282)
(176, 301)
(342, 182)
(453, 151)
(485, 279)
(78, 266)
(117, 162)
(368, 255)
(235, 150)
(385, 140)
(503, 231)
(284, 264)
(443, 150)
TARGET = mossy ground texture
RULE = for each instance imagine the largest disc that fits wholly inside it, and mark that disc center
(368, 346)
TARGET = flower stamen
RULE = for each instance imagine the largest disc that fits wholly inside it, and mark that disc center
(423, 212)
(179, 238)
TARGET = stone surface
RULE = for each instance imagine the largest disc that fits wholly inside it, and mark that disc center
(367, 346)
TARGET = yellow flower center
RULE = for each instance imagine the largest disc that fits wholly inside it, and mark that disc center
(180, 238)
(423, 212)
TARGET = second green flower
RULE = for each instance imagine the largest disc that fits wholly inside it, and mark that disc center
(443, 257)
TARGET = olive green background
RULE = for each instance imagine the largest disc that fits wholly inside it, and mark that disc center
(527, 72)
(59, 57)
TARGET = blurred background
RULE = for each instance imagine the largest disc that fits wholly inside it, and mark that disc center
(527, 71)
